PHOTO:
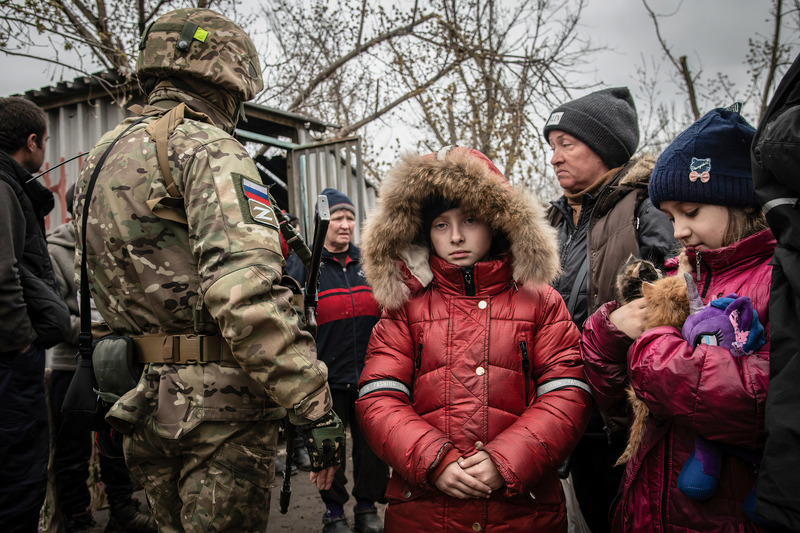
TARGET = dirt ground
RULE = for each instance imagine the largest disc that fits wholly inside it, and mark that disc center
(306, 507)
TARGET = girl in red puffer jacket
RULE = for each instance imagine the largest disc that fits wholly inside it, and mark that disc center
(703, 182)
(473, 390)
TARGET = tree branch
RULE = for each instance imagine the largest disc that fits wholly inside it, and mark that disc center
(344, 132)
(680, 64)
(773, 59)
(359, 49)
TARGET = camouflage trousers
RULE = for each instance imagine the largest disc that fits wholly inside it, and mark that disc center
(215, 478)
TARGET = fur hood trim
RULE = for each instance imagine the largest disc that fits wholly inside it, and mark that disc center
(395, 254)
(638, 174)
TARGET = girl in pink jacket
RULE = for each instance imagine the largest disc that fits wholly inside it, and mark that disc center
(703, 183)
(473, 390)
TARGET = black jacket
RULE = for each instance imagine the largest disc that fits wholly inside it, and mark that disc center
(346, 314)
(31, 307)
(776, 176)
(618, 221)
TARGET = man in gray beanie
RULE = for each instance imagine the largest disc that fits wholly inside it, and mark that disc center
(603, 217)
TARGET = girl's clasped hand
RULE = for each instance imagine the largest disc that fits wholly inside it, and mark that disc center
(471, 477)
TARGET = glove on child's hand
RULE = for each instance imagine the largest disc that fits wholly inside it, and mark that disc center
(730, 322)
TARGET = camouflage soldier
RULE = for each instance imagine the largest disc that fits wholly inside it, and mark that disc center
(184, 257)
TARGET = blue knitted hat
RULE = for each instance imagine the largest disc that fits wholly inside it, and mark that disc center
(338, 200)
(708, 163)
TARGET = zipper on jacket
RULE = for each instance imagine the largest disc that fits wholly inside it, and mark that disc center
(708, 275)
(697, 261)
(526, 367)
(469, 280)
(353, 320)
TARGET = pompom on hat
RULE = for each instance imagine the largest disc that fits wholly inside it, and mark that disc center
(708, 163)
(605, 121)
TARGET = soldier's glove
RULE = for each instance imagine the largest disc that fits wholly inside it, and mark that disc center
(325, 441)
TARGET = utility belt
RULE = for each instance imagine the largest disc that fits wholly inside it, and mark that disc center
(183, 349)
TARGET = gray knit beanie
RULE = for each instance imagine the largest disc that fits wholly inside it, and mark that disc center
(605, 121)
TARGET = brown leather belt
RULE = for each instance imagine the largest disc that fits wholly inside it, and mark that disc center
(182, 349)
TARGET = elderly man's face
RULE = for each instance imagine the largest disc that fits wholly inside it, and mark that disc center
(576, 165)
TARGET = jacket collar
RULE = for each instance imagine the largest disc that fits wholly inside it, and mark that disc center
(41, 197)
(352, 252)
(490, 277)
(750, 250)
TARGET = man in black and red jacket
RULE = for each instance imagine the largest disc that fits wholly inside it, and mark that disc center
(346, 314)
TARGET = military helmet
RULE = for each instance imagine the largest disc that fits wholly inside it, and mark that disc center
(201, 44)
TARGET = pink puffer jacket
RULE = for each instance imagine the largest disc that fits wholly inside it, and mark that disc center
(704, 391)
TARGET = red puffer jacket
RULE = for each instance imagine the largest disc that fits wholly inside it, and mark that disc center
(470, 361)
(704, 391)
(469, 357)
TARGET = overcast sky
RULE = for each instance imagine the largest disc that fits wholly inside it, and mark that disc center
(712, 33)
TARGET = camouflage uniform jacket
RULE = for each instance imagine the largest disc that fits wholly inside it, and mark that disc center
(150, 275)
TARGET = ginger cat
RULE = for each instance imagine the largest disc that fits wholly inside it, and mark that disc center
(667, 305)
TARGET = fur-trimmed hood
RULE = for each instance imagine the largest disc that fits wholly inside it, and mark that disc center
(638, 174)
(395, 253)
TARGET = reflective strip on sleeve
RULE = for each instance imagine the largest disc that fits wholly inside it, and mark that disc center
(778, 201)
(384, 384)
(558, 384)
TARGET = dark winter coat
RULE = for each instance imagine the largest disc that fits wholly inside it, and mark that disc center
(702, 391)
(616, 222)
(346, 314)
(447, 370)
(777, 184)
(31, 308)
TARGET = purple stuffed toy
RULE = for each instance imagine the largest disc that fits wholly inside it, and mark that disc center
(732, 323)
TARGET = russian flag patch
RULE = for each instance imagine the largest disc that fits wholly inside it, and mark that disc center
(259, 206)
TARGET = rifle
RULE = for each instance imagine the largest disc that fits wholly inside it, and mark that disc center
(321, 221)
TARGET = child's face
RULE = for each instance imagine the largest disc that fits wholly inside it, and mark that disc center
(701, 226)
(460, 238)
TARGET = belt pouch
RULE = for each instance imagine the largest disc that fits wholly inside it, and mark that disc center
(115, 367)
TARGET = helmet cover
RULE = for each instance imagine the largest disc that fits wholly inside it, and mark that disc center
(201, 44)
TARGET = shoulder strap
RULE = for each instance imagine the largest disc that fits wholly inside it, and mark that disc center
(169, 207)
(160, 130)
(576, 286)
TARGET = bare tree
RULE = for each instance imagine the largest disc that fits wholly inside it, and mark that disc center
(767, 58)
(469, 72)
